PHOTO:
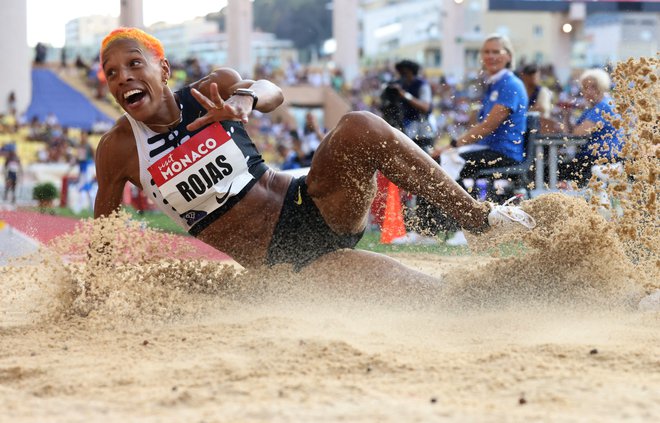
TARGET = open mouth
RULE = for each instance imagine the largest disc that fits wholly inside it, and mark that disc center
(133, 96)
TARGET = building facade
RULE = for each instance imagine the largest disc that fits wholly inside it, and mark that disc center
(83, 35)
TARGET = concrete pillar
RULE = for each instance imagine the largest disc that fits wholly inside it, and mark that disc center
(453, 47)
(239, 36)
(15, 70)
(345, 31)
(131, 13)
(563, 45)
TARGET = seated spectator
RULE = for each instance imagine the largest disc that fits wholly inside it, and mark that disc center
(37, 131)
(311, 133)
(497, 137)
(292, 154)
(595, 121)
(540, 97)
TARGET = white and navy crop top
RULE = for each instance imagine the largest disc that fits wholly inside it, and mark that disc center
(195, 177)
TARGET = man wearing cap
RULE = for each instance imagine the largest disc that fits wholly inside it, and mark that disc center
(416, 104)
(414, 99)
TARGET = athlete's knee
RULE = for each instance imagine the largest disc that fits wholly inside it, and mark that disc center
(362, 117)
(363, 125)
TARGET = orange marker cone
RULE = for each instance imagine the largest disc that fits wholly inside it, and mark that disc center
(393, 226)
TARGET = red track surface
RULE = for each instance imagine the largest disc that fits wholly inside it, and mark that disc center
(44, 228)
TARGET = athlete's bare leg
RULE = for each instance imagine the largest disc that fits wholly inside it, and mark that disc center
(371, 277)
(342, 182)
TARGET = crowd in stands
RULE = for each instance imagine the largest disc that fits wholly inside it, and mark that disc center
(288, 145)
(453, 102)
(24, 143)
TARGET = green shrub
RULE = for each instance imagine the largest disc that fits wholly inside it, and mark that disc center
(45, 192)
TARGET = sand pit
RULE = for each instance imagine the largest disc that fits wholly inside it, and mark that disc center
(335, 362)
(181, 340)
(552, 332)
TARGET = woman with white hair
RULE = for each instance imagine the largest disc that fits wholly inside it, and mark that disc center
(595, 121)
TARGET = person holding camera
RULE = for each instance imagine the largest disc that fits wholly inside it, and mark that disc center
(412, 98)
(407, 105)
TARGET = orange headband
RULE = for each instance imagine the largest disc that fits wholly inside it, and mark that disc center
(150, 42)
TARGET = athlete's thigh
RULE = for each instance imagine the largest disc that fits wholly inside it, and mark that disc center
(342, 179)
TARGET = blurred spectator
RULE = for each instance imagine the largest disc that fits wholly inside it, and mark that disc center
(11, 104)
(8, 123)
(84, 159)
(59, 145)
(12, 173)
(540, 97)
(63, 58)
(312, 135)
(497, 137)
(293, 156)
(595, 121)
(81, 65)
(40, 52)
(51, 120)
(290, 72)
(412, 95)
(194, 71)
(338, 80)
(36, 131)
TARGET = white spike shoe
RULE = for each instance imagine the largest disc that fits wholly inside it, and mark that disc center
(505, 216)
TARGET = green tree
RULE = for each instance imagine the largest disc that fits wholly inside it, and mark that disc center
(308, 23)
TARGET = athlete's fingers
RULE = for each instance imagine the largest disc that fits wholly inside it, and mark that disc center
(199, 122)
(203, 100)
(215, 95)
(238, 112)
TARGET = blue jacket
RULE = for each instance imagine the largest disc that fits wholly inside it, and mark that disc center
(507, 138)
(605, 136)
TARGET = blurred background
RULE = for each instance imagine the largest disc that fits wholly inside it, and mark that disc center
(329, 57)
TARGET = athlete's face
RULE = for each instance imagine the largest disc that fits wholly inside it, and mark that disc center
(136, 78)
(494, 56)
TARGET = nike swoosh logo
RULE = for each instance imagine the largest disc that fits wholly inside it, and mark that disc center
(298, 200)
(222, 200)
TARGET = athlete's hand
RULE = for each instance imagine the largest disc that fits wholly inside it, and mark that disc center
(235, 108)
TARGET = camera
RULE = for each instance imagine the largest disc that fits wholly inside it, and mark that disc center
(390, 105)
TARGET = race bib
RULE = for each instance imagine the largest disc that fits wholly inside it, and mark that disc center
(202, 173)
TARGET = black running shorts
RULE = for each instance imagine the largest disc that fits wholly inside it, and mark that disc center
(301, 235)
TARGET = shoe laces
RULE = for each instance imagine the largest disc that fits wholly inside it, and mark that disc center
(515, 200)
(513, 212)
